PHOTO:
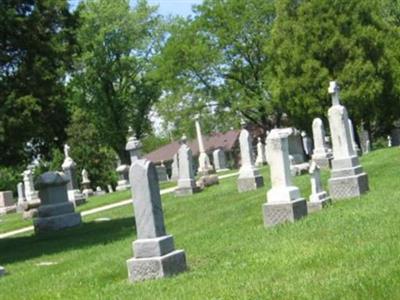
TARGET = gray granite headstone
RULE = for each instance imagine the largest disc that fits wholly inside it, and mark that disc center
(321, 154)
(186, 181)
(56, 211)
(219, 160)
(162, 172)
(348, 179)
(7, 204)
(154, 251)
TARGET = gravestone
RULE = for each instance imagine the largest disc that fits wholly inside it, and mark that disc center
(347, 176)
(219, 160)
(321, 154)
(110, 188)
(318, 198)
(389, 139)
(395, 133)
(87, 189)
(260, 160)
(307, 143)
(249, 176)
(2, 271)
(7, 204)
(357, 149)
(284, 202)
(265, 146)
(32, 197)
(99, 191)
(21, 197)
(134, 147)
(154, 251)
(175, 168)
(56, 211)
(123, 175)
(69, 169)
(186, 181)
(295, 143)
(205, 166)
(162, 172)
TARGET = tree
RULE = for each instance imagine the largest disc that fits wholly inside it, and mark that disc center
(316, 41)
(216, 63)
(112, 81)
(35, 51)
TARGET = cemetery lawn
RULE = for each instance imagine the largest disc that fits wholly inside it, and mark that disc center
(350, 250)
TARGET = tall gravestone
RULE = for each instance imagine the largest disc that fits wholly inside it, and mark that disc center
(284, 202)
(249, 176)
(32, 197)
(357, 149)
(318, 198)
(219, 160)
(175, 168)
(186, 181)
(389, 139)
(307, 143)
(154, 250)
(87, 189)
(260, 160)
(21, 197)
(56, 210)
(69, 169)
(205, 166)
(347, 177)
(321, 154)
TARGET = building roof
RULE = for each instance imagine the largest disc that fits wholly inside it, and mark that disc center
(225, 141)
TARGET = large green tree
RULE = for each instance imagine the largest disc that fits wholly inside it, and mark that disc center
(215, 63)
(36, 44)
(113, 80)
(351, 41)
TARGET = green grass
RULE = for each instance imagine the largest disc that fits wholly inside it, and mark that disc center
(350, 250)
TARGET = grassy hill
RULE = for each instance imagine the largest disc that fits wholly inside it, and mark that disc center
(350, 250)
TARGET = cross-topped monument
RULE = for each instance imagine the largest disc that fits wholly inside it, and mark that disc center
(334, 92)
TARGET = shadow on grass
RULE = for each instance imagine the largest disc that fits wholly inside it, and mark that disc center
(87, 234)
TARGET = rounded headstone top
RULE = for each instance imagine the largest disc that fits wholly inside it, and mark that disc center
(51, 179)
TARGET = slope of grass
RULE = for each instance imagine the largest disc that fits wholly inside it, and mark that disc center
(350, 250)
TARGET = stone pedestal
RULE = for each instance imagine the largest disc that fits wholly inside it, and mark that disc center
(186, 182)
(318, 198)
(56, 211)
(7, 204)
(154, 250)
(284, 203)
(348, 179)
(249, 176)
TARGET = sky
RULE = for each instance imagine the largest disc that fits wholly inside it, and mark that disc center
(166, 7)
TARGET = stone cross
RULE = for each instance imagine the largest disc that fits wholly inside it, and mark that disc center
(284, 202)
(334, 92)
(155, 254)
(134, 147)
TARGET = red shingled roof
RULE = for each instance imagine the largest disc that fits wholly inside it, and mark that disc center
(224, 141)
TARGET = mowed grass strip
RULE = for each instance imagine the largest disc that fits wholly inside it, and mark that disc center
(351, 250)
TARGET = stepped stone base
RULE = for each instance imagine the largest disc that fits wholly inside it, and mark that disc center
(250, 184)
(323, 163)
(76, 197)
(318, 202)
(349, 186)
(140, 269)
(278, 213)
(56, 217)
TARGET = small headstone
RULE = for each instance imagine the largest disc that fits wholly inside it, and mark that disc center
(260, 160)
(110, 188)
(87, 189)
(32, 202)
(347, 176)
(21, 197)
(265, 146)
(162, 172)
(389, 139)
(249, 176)
(321, 154)
(318, 198)
(123, 181)
(56, 211)
(154, 251)
(186, 181)
(7, 204)
(99, 191)
(357, 149)
(69, 169)
(219, 160)
(205, 167)
(175, 168)
(284, 202)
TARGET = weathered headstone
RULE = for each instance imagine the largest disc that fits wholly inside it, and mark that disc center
(56, 211)
(357, 149)
(162, 172)
(249, 176)
(186, 181)
(175, 168)
(123, 175)
(110, 188)
(69, 168)
(32, 197)
(219, 160)
(99, 191)
(260, 160)
(21, 197)
(321, 154)
(87, 189)
(7, 204)
(307, 143)
(318, 198)
(265, 146)
(284, 202)
(389, 139)
(347, 177)
(154, 251)
(295, 143)
(205, 166)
